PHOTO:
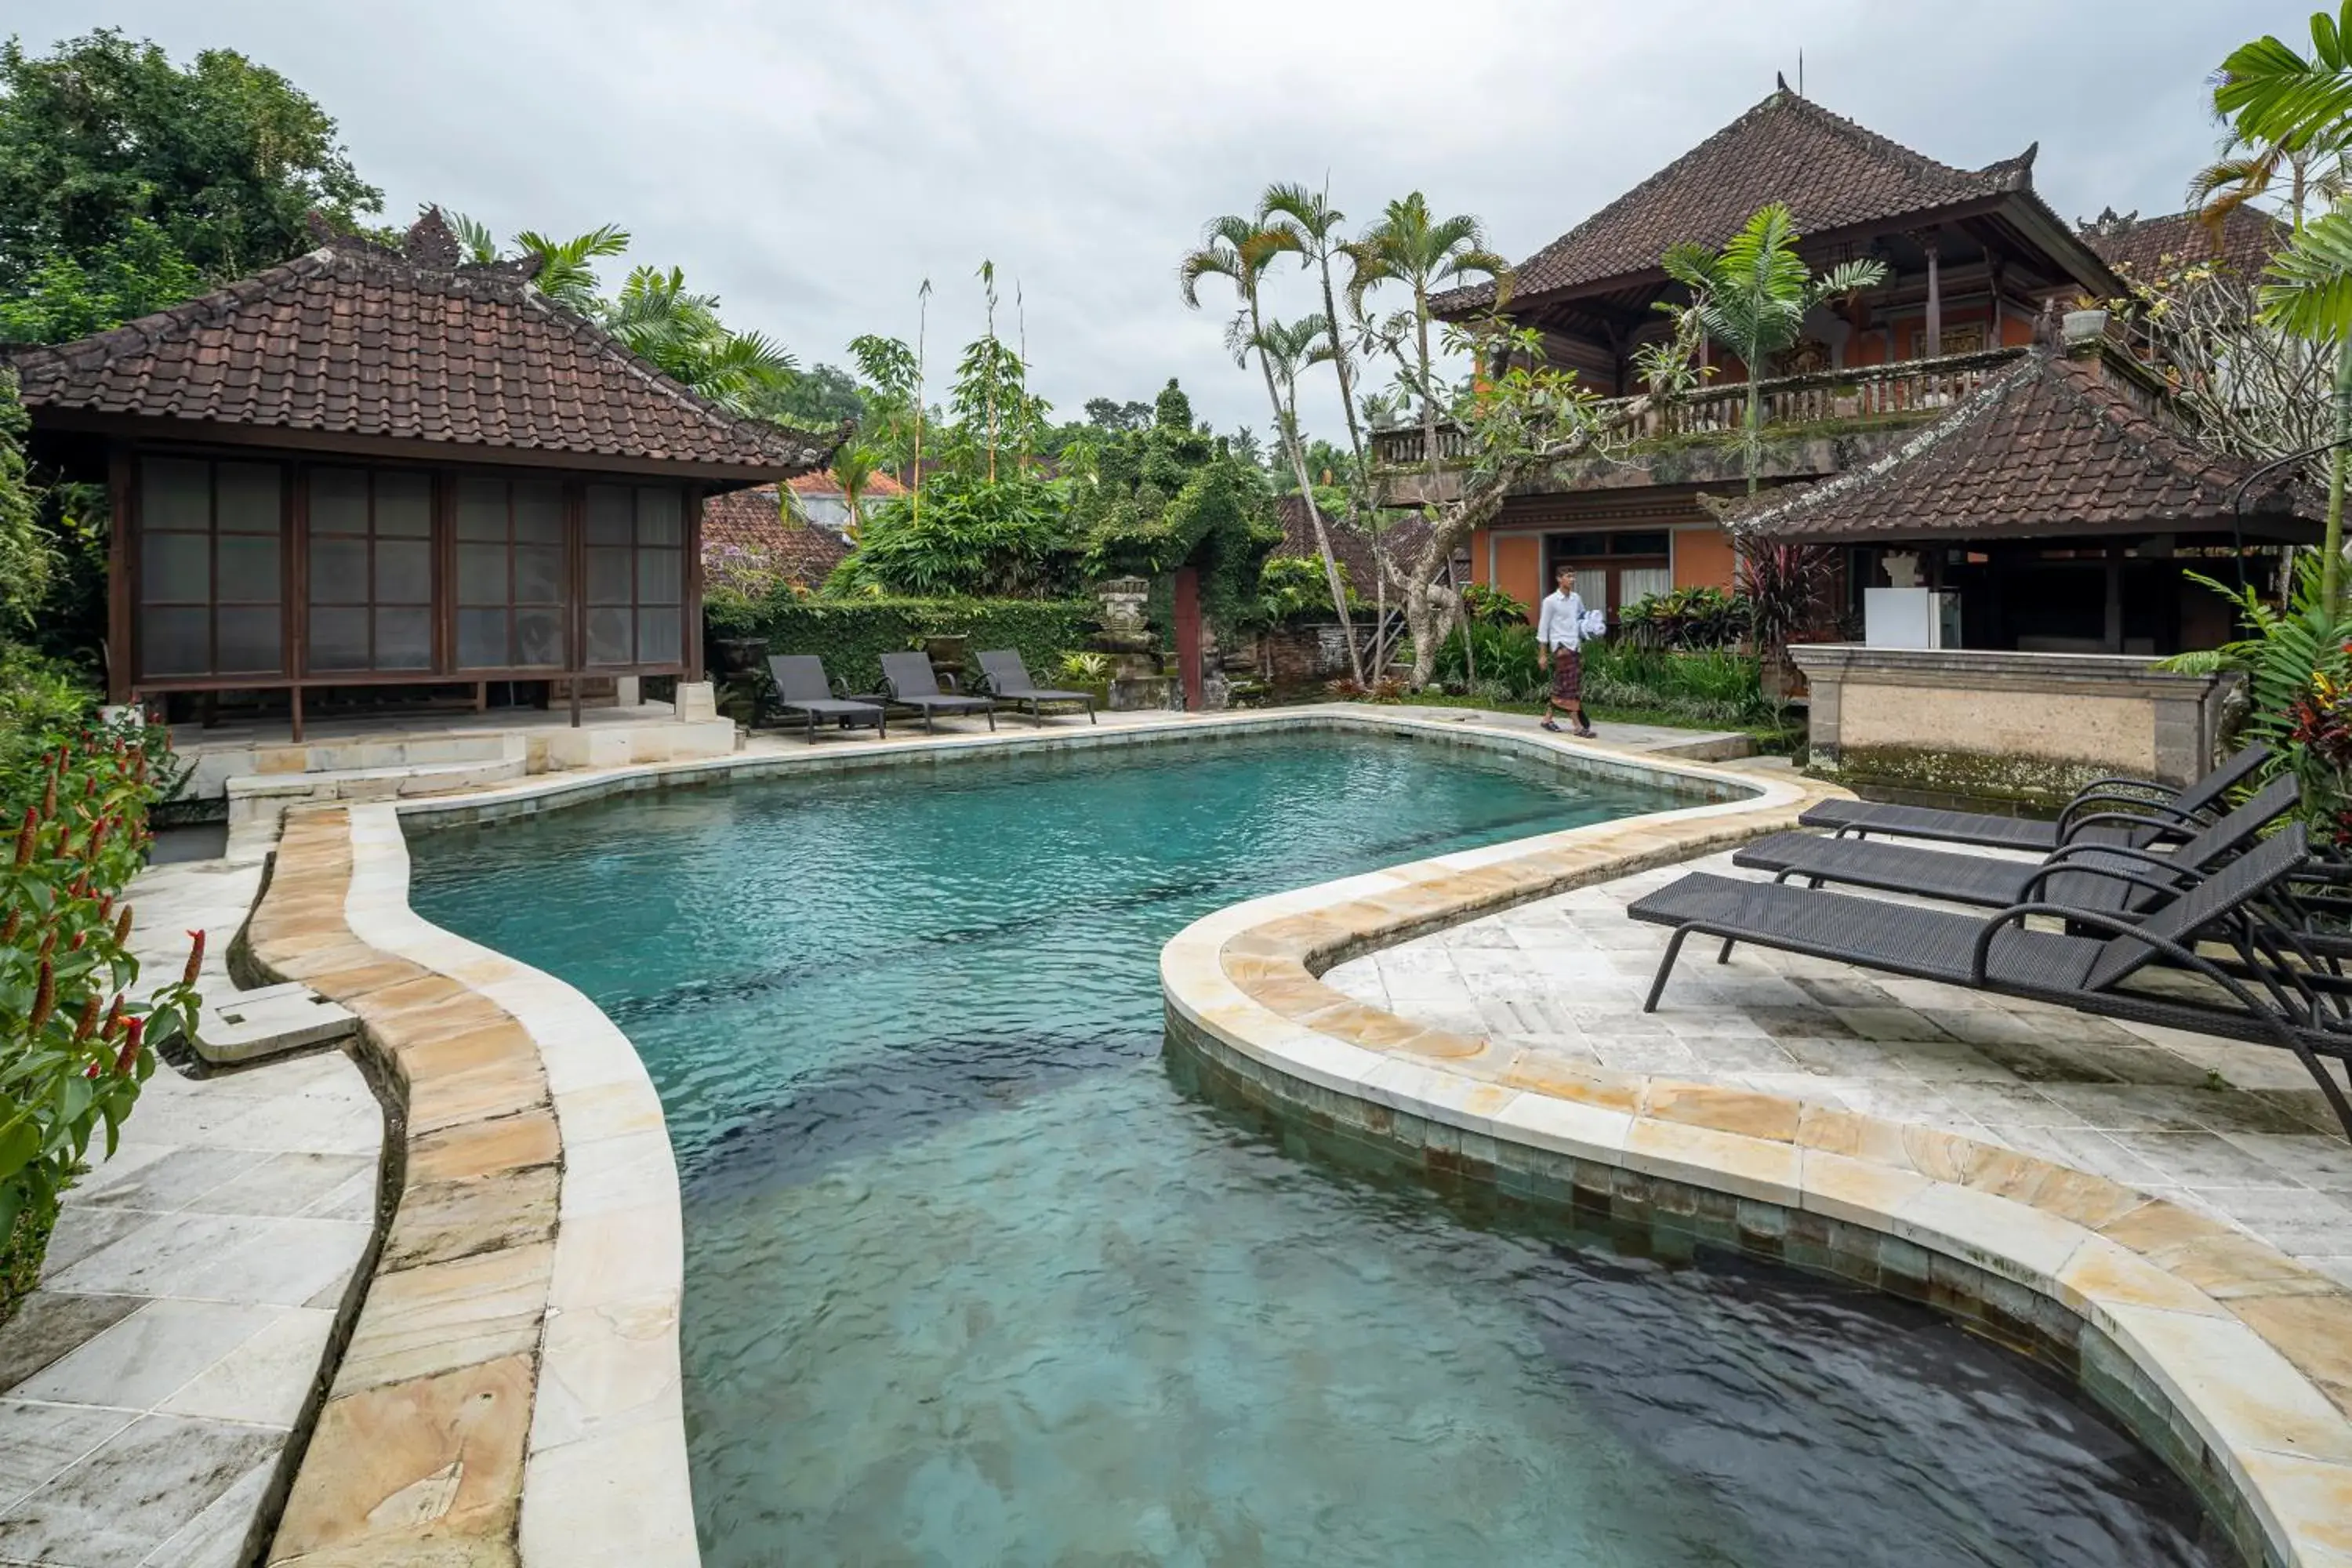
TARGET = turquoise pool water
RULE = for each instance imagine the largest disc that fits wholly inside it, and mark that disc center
(972, 1280)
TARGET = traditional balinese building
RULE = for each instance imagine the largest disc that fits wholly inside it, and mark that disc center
(375, 472)
(1972, 257)
(2145, 249)
(802, 542)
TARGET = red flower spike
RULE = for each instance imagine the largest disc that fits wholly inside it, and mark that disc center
(14, 923)
(122, 928)
(195, 958)
(87, 1025)
(129, 1055)
(90, 1071)
(45, 999)
(27, 837)
(113, 1019)
(48, 945)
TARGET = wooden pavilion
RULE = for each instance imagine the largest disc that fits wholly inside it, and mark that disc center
(376, 472)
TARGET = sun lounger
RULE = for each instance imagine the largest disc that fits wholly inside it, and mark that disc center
(1007, 679)
(802, 688)
(2261, 998)
(2120, 810)
(913, 682)
(2115, 877)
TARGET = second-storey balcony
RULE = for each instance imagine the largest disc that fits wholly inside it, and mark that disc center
(1812, 424)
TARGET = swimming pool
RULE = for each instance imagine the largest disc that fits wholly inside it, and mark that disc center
(970, 1279)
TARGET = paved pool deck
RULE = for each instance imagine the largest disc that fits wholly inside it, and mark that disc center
(2235, 1131)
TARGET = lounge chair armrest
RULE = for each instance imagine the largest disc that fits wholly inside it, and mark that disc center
(2041, 874)
(2105, 802)
(2114, 925)
(2124, 852)
(2123, 782)
(2160, 819)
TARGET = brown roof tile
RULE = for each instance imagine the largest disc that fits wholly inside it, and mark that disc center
(751, 523)
(2146, 247)
(2054, 447)
(1831, 173)
(1351, 545)
(354, 339)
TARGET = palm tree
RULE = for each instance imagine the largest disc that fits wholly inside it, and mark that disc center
(1304, 222)
(854, 466)
(658, 319)
(566, 271)
(2246, 173)
(1408, 245)
(1754, 294)
(1289, 351)
(2309, 293)
(1238, 250)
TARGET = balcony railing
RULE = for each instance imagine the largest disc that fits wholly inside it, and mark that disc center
(1862, 393)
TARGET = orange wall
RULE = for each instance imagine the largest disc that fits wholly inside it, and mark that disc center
(1703, 559)
(1518, 566)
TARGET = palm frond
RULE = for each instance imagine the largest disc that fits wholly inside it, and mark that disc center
(2308, 289)
(2275, 95)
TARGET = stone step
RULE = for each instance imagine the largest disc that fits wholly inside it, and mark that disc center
(247, 1025)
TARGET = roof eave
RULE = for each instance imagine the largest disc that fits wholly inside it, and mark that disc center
(329, 443)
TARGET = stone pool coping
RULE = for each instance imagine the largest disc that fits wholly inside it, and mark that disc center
(2246, 1349)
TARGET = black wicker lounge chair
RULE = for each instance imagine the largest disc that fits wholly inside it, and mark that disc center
(2259, 998)
(803, 690)
(1006, 678)
(913, 682)
(2120, 810)
(2116, 878)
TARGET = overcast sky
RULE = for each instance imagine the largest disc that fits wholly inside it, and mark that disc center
(814, 163)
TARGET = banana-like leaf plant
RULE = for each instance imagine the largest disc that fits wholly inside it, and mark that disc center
(2297, 662)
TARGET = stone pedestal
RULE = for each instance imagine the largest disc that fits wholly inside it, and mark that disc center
(697, 702)
(2026, 728)
(627, 691)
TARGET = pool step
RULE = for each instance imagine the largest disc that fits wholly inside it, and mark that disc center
(258, 801)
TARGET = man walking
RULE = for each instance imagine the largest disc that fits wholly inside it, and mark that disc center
(1559, 639)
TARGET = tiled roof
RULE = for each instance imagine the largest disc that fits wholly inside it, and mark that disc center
(2053, 446)
(355, 340)
(1831, 173)
(2145, 247)
(750, 522)
(879, 486)
(1351, 545)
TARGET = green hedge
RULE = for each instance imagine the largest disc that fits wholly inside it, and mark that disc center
(852, 635)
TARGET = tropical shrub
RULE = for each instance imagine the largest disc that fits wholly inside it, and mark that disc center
(1485, 602)
(73, 1049)
(852, 635)
(1701, 687)
(1504, 658)
(2298, 667)
(1003, 537)
(1787, 590)
(1293, 588)
(1686, 618)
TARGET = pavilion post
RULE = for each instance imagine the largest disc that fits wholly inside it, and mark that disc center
(118, 573)
(1934, 345)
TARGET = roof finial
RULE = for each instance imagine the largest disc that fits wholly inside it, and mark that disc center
(432, 243)
(1780, 80)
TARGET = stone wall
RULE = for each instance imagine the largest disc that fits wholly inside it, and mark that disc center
(2022, 729)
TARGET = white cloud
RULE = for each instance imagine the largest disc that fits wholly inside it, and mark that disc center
(813, 164)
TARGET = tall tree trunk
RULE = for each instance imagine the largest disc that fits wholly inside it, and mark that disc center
(1360, 479)
(2331, 560)
(1755, 442)
(1286, 429)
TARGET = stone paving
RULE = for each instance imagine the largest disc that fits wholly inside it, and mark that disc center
(2235, 1131)
(153, 1381)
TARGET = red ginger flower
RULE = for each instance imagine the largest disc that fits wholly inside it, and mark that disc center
(195, 958)
(128, 1053)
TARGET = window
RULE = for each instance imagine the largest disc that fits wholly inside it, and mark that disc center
(510, 576)
(370, 570)
(211, 552)
(636, 575)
